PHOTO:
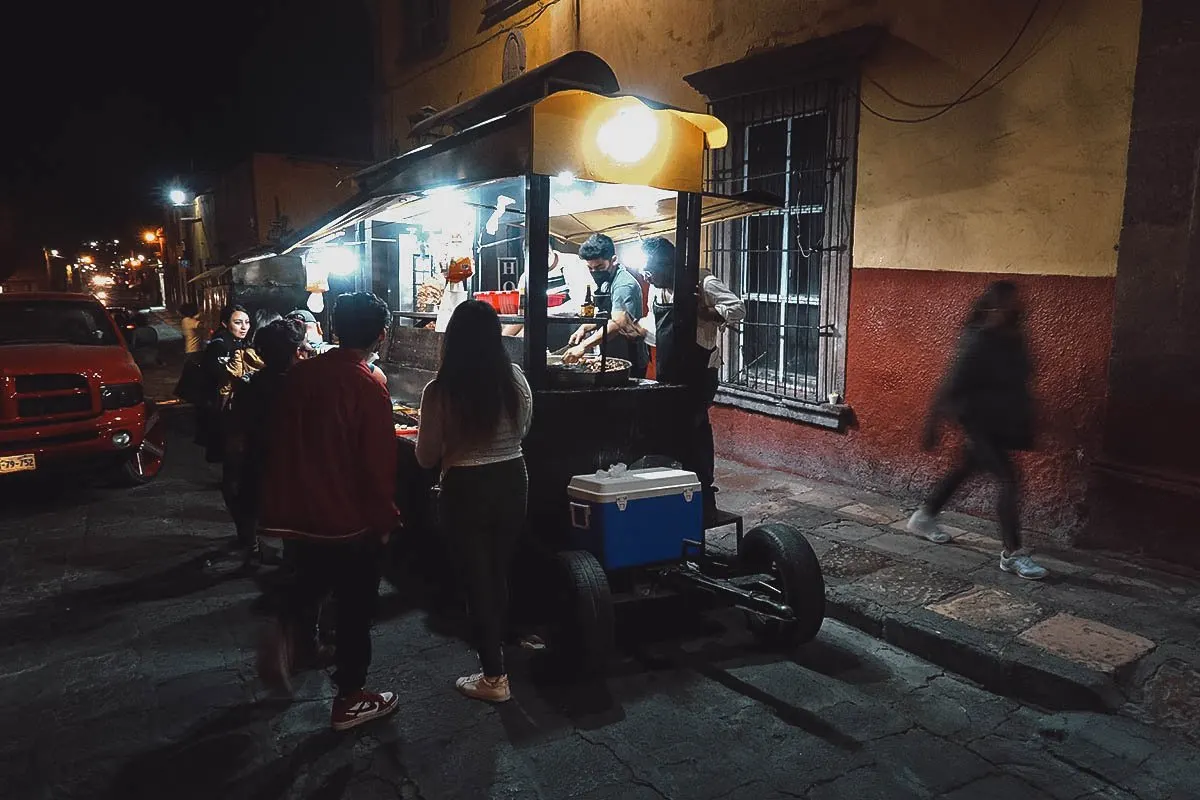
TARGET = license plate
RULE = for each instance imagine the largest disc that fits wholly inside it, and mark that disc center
(21, 463)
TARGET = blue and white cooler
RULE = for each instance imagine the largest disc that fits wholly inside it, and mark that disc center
(635, 517)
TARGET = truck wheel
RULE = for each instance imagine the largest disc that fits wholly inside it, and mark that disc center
(147, 460)
(782, 551)
(582, 632)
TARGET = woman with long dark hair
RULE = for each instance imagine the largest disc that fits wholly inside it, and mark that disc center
(474, 415)
(986, 391)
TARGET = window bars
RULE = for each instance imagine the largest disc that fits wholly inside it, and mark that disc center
(791, 266)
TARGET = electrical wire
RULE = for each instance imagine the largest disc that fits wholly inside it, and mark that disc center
(1038, 46)
(1037, 4)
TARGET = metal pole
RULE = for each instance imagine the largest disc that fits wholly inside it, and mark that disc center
(537, 250)
(687, 276)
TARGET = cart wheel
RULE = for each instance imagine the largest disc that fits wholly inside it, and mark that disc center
(582, 634)
(782, 552)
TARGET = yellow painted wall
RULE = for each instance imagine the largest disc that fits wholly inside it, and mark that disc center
(301, 190)
(1028, 178)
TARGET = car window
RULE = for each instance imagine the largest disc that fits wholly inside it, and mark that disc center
(55, 322)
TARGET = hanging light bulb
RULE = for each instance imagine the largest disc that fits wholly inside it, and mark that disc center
(316, 302)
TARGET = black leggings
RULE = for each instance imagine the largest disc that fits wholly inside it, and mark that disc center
(482, 511)
(981, 454)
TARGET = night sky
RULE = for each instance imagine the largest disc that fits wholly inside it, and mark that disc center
(108, 103)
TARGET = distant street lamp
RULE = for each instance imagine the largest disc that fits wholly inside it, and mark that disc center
(178, 197)
(149, 237)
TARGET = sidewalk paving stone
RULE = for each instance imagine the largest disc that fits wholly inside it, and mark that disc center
(845, 531)
(822, 498)
(872, 515)
(843, 561)
(901, 544)
(990, 610)
(1088, 642)
(908, 585)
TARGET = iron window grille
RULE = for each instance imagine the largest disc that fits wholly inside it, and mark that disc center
(791, 266)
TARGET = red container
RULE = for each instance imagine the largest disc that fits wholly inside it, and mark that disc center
(555, 300)
(509, 302)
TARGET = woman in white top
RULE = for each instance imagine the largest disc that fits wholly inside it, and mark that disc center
(474, 415)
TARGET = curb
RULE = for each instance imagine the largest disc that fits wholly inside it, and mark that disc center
(997, 663)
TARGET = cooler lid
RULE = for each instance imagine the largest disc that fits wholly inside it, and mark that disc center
(632, 484)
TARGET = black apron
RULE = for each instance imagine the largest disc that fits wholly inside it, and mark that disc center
(691, 367)
(634, 351)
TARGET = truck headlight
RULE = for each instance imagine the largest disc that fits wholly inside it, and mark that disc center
(120, 395)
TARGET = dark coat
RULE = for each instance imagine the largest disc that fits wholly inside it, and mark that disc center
(986, 389)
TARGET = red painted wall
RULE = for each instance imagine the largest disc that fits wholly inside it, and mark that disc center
(902, 329)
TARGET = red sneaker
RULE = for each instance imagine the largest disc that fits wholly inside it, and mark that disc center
(355, 709)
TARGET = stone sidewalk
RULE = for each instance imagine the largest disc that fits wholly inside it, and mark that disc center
(1100, 633)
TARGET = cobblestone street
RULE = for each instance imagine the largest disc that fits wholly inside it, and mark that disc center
(127, 670)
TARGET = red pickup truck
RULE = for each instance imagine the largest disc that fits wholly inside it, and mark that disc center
(70, 393)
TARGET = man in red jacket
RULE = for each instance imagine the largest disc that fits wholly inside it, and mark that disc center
(329, 485)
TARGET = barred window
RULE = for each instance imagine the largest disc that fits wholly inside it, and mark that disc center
(791, 266)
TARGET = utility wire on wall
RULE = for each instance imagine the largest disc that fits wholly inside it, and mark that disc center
(966, 96)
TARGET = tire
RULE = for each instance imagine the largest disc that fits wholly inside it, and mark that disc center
(146, 462)
(582, 628)
(782, 551)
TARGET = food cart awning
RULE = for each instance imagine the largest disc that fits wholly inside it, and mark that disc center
(212, 274)
(624, 224)
(543, 123)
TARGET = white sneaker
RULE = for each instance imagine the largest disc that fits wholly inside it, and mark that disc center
(1022, 565)
(480, 687)
(925, 524)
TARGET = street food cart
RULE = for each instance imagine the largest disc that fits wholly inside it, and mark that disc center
(548, 159)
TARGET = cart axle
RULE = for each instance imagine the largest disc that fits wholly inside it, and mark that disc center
(743, 598)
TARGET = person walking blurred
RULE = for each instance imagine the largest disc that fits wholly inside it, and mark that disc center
(474, 415)
(986, 392)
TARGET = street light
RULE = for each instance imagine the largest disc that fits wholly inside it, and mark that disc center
(149, 237)
(178, 197)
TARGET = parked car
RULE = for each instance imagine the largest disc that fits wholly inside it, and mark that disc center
(71, 394)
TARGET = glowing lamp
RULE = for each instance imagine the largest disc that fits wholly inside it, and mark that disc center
(316, 302)
(178, 196)
(149, 237)
(629, 135)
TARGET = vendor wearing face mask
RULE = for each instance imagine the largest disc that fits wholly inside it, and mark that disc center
(694, 363)
(619, 296)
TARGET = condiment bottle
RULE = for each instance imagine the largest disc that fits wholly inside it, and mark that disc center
(588, 309)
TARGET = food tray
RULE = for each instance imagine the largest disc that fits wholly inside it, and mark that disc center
(585, 374)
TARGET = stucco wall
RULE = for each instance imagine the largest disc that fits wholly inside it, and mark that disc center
(903, 324)
(1028, 178)
(300, 190)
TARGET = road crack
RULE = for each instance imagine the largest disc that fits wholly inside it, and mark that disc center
(635, 778)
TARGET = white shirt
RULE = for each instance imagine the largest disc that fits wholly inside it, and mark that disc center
(505, 445)
(715, 296)
(578, 278)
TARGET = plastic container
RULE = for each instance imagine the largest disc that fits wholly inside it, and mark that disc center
(509, 302)
(635, 518)
(555, 300)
